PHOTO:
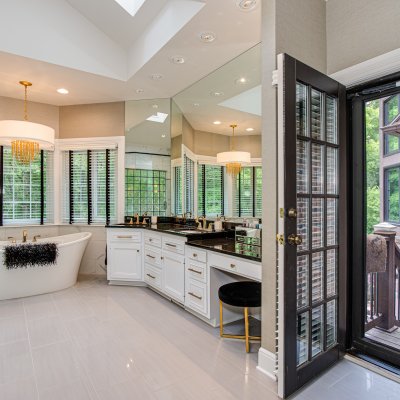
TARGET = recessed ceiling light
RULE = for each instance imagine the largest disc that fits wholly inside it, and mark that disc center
(207, 37)
(249, 129)
(217, 94)
(177, 60)
(163, 136)
(196, 104)
(241, 81)
(156, 77)
(155, 105)
(246, 5)
(217, 122)
(62, 91)
(138, 91)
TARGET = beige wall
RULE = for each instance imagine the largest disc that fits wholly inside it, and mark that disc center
(92, 120)
(251, 143)
(209, 143)
(176, 147)
(358, 30)
(37, 112)
(301, 30)
(187, 134)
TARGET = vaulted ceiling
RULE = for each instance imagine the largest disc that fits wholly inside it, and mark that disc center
(100, 52)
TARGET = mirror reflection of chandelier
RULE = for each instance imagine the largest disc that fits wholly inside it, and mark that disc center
(26, 138)
(233, 160)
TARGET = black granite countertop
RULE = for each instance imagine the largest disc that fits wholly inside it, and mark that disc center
(180, 230)
(228, 245)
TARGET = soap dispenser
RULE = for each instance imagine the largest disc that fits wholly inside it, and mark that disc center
(218, 224)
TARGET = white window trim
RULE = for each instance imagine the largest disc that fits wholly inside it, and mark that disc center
(93, 143)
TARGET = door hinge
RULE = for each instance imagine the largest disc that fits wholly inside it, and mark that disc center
(280, 239)
(282, 213)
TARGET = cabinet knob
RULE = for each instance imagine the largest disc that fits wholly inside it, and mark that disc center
(233, 266)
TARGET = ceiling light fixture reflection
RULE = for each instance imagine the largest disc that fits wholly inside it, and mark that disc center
(163, 136)
(196, 104)
(217, 94)
(159, 117)
(62, 91)
(217, 122)
(156, 77)
(138, 91)
(249, 129)
(207, 37)
(177, 60)
(241, 81)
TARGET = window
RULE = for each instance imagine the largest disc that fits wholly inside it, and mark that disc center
(392, 195)
(248, 193)
(27, 189)
(145, 191)
(178, 190)
(391, 109)
(210, 190)
(90, 186)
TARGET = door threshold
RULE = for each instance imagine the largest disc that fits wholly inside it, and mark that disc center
(375, 365)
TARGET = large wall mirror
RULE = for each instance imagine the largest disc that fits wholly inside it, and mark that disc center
(147, 157)
(200, 129)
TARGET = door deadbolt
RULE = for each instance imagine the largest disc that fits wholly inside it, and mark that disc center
(292, 213)
(294, 240)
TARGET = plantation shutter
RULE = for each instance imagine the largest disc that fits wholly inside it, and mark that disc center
(178, 190)
(258, 191)
(189, 184)
(243, 196)
(90, 183)
(27, 189)
(210, 190)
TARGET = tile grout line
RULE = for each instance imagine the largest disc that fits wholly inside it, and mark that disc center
(30, 351)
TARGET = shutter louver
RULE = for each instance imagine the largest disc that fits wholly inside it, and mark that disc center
(210, 190)
(189, 184)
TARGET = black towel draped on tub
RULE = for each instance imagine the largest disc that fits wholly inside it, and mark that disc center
(29, 255)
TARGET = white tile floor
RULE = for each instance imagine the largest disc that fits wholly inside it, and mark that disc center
(103, 342)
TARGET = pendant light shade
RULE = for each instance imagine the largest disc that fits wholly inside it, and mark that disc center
(26, 138)
(233, 160)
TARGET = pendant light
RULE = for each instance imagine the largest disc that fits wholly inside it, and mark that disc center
(26, 138)
(233, 160)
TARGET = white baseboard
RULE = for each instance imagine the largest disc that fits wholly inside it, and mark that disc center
(267, 363)
(126, 283)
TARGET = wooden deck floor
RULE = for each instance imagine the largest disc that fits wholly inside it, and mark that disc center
(387, 339)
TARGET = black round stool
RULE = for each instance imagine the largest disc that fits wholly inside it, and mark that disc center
(239, 294)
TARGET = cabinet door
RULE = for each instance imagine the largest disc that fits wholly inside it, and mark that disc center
(124, 262)
(174, 276)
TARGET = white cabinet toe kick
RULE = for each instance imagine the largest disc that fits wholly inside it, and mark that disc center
(187, 275)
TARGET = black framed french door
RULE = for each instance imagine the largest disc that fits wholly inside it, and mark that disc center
(375, 301)
(314, 220)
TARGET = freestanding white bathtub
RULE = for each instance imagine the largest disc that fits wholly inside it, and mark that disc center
(30, 281)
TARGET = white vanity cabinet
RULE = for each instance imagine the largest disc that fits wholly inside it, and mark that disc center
(124, 255)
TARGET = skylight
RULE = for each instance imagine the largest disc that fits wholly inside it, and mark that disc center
(130, 6)
(159, 117)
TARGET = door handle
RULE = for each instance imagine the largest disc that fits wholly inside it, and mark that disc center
(148, 255)
(151, 276)
(195, 295)
(171, 245)
(195, 271)
(294, 240)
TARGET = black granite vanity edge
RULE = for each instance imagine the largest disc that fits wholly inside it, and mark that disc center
(228, 247)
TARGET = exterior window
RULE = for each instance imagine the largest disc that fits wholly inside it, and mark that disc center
(248, 193)
(27, 189)
(392, 144)
(210, 192)
(189, 184)
(391, 109)
(145, 191)
(178, 190)
(392, 195)
(90, 186)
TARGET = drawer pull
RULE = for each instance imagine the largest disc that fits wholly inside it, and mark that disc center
(148, 255)
(194, 255)
(195, 295)
(195, 271)
(150, 240)
(233, 266)
(170, 244)
(162, 258)
(124, 237)
(151, 276)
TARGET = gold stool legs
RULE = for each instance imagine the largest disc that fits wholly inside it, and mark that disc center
(246, 336)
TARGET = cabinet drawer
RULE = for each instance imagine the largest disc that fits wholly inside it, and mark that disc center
(235, 265)
(152, 255)
(124, 235)
(152, 239)
(153, 276)
(196, 254)
(196, 297)
(196, 270)
(169, 243)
